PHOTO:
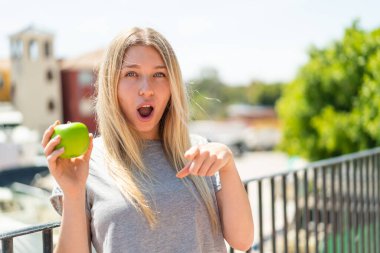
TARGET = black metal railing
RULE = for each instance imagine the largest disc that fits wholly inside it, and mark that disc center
(331, 206)
(45, 229)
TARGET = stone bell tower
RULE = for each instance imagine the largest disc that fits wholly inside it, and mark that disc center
(36, 82)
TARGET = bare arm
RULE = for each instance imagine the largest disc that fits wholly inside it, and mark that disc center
(74, 232)
(235, 210)
(71, 175)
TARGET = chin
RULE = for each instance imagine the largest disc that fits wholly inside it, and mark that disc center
(147, 132)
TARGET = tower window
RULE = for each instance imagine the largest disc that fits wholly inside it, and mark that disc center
(16, 49)
(51, 105)
(47, 49)
(49, 75)
(33, 50)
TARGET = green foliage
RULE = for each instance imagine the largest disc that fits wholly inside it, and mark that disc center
(207, 98)
(332, 106)
(259, 93)
(210, 96)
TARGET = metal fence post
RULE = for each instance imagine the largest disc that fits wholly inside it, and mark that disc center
(7, 245)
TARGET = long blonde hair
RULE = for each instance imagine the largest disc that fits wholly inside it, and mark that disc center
(122, 144)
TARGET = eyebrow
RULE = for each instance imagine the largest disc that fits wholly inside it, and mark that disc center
(138, 66)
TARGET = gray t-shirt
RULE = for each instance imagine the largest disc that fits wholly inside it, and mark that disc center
(183, 223)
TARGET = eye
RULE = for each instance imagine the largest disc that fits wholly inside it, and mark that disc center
(159, 74)
(131, 74)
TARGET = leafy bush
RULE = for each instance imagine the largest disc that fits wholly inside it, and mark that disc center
(332, 106)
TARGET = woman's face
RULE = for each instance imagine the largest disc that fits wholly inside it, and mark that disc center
(143, 89)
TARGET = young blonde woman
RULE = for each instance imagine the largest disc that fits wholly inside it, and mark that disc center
(145, 184)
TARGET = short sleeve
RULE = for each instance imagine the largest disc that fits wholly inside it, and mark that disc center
(216, 182)
(56, 199)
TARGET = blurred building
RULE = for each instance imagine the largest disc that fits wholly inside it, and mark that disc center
(45, 89)
(5, 80)
(78, 76)
(263, 125)
(36, 84)
(256, 116)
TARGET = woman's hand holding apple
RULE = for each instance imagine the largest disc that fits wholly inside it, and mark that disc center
(70, 173)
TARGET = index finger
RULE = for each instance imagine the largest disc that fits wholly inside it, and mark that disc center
(191, 153)
(48, 133)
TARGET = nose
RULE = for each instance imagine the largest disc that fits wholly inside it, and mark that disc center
(145, 88)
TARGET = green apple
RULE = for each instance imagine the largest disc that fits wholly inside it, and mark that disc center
(74, 138)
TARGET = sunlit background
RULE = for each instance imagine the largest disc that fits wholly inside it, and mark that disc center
(244, 40)
(246, 65)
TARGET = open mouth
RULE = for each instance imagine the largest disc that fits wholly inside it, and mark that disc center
(145, 111)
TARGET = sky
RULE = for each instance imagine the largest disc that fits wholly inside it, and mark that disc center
(243, 40)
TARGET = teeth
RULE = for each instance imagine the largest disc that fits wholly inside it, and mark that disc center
(146, 106)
